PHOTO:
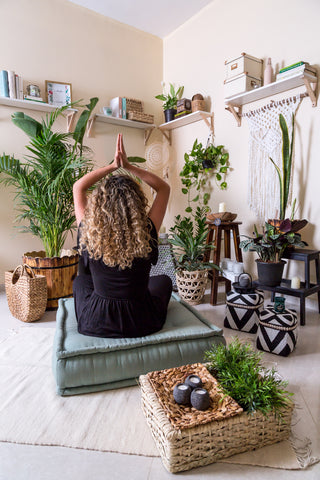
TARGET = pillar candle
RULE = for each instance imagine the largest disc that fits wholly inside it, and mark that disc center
(222, 207)
(295, 282)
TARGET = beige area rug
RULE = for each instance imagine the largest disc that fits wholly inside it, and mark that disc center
(112, 421)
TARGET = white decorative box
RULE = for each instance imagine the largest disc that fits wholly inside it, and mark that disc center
(244, 64)
(240, 84)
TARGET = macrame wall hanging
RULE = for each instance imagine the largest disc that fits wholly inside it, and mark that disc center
(266, 141)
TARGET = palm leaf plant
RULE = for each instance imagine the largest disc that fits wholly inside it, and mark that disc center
(44, 182)
(284, 173)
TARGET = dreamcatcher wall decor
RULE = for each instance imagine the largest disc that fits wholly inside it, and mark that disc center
(266, 141)
(157, 159)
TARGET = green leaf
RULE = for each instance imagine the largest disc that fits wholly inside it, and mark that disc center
(161, 97)
(206, 198)
(188, 209)
(218, 176)
(136, 160)
(223, 185)
(184, 190)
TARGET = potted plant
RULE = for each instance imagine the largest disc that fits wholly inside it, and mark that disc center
(44, 192)
(189, 243)
(201, 164)
(270, 246)
(170, 101)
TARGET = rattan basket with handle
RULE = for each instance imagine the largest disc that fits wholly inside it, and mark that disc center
(26, 293)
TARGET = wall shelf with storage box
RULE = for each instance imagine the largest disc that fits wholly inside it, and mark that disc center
(40, 106)
(166, 128)
(234, 104)
(122, 122)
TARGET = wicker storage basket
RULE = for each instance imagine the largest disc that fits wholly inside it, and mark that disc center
(192, 285)
(198, 105)
(26, 293)
(141, 117)
(183, 449)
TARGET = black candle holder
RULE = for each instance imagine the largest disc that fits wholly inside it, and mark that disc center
(200, 399)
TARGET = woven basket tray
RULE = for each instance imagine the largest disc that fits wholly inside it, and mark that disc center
(141, 117)
(183, 449)
(224, 216)
(182, 416)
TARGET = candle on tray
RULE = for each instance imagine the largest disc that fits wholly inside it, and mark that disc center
(193, 381)
(181, 394)
(200, 399)
(295, 282)
(222, 207)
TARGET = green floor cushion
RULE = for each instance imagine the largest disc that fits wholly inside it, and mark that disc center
(84, 364)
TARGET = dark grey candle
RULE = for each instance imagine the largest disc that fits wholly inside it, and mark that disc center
(200, 399)
(193, 381)
(181, 394)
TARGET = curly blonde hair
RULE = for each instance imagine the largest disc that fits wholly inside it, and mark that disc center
(116, 227)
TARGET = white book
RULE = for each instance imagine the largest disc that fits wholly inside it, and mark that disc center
(116, 107)
(12, 84)
(295, 71)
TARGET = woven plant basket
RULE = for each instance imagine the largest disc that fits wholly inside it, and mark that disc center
(26, 293)
(192, 285)
(207, 440)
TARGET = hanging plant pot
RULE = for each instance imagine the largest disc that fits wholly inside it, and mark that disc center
(59, 272)
(270, 273)
(192, 285)
(169, 114)
(207, 163)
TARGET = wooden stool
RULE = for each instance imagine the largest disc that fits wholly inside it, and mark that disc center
(217, 230)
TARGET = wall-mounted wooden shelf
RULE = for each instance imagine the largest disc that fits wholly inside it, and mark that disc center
(42, 107)
(234, 104)
(122, 122)
(166, 128)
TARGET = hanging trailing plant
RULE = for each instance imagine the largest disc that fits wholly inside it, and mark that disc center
(201, 164)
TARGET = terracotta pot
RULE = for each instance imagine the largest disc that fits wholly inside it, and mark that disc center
(270, 273)
(59, 272)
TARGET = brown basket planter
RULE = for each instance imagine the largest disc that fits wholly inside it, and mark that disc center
(192, 285)
(208, 441)
(59, 272)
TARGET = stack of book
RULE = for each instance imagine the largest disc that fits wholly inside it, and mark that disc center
(130, 108)
(295, 69)
(11, 84)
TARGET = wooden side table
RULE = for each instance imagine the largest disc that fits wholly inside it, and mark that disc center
(306, 288)
(215, 237)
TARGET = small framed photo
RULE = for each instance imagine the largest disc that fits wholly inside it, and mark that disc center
(58, 93)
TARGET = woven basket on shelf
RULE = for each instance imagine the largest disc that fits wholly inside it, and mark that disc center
(141, 117)
(198, 105)
(26, 293)
(192, 285)
(207, 441)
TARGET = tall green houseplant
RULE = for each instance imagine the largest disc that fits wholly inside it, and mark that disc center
(44, 182)
(284, 174)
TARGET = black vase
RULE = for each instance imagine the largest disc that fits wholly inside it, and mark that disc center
(270, 273)
(169, 114)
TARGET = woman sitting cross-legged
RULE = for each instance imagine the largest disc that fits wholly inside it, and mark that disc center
(118, 242)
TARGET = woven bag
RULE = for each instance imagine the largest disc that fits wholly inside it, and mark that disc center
(26, 293)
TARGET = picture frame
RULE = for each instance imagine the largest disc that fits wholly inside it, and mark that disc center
(58, 93)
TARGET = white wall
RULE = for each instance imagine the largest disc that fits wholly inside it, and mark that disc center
(194, 56)
(57, 40)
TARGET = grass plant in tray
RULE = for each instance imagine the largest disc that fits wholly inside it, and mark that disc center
(241, 375)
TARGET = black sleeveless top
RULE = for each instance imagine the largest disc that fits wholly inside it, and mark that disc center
(111, 302)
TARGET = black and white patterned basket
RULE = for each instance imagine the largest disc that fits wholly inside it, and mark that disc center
(242, 310)
(277, 332)
(165, 264)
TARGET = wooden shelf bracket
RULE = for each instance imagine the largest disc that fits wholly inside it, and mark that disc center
(235, 113)
(208, 123)
(311, 92)
(70, 118)
(90, 126)
(147, 134)
(167, 135)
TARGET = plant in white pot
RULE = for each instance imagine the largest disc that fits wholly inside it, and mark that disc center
(43, 185)
(189, 243)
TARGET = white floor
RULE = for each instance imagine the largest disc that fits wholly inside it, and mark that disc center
(25, 462)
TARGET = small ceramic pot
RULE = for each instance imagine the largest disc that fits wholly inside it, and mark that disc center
(200, 399)
(181, 394)
(193, 381)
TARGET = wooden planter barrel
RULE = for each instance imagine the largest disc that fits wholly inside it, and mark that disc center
(59, 272)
